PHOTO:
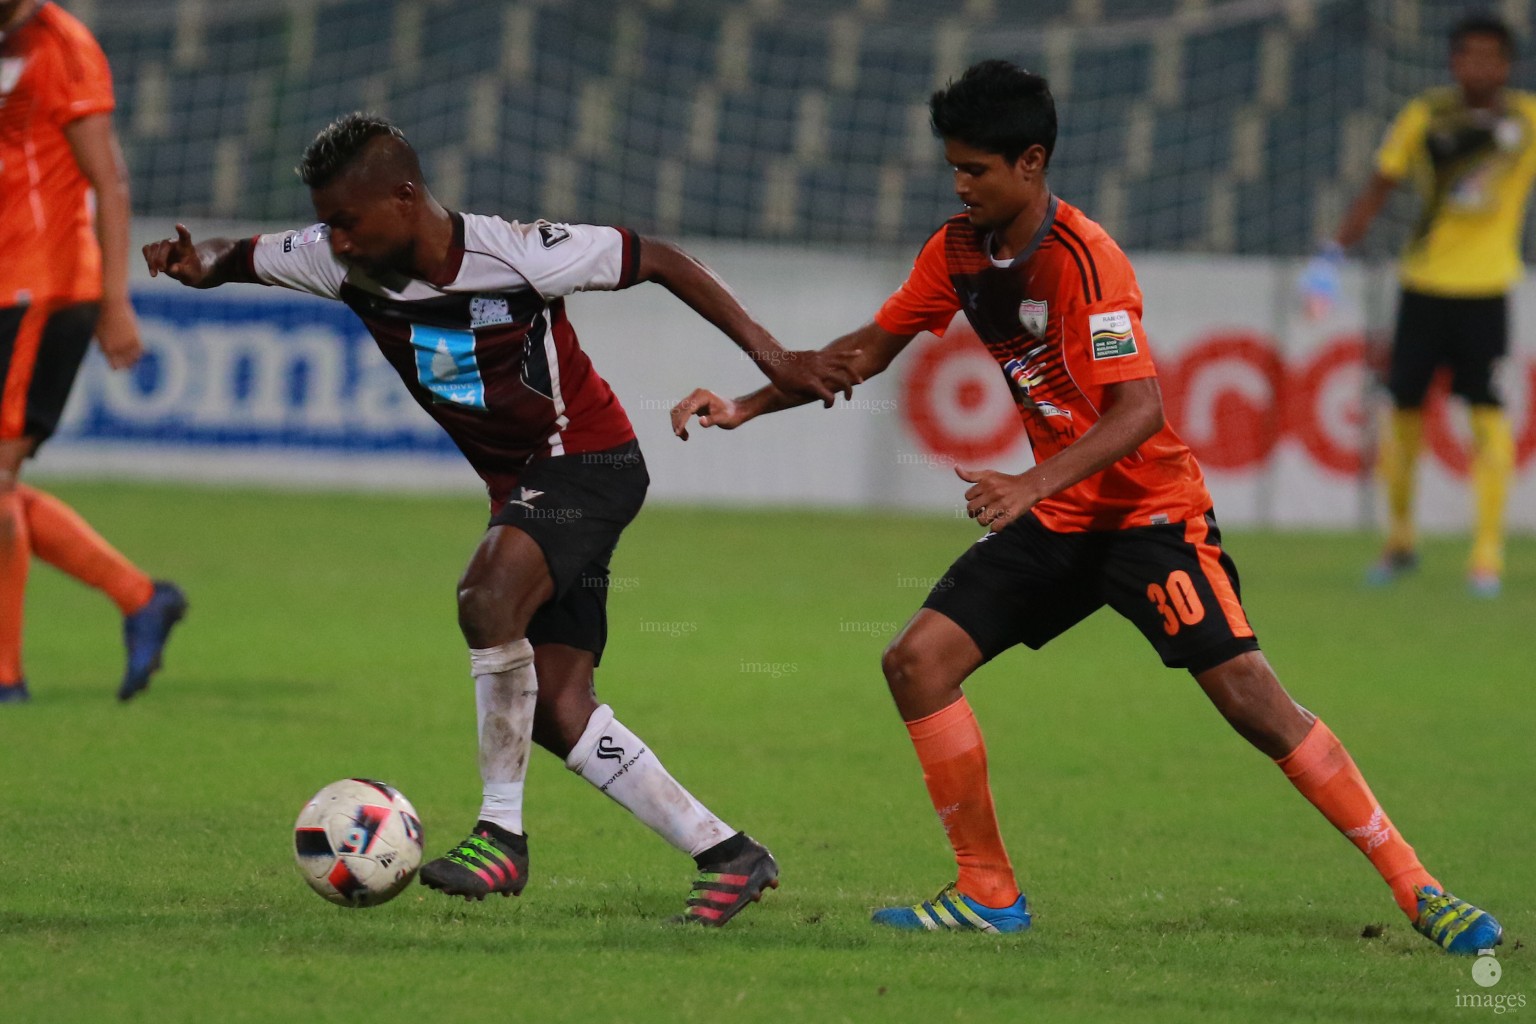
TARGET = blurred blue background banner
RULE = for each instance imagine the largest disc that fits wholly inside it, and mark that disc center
(224, 369)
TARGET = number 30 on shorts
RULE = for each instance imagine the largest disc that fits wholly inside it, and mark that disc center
(1177, 601)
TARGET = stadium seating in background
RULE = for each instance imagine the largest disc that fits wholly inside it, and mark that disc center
(1194, 125)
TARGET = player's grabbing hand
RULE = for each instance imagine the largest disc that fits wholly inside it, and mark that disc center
(814, 374)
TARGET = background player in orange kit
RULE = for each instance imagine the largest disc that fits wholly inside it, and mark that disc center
(1115, 510)
(63, 276)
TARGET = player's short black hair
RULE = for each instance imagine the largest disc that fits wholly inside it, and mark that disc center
(999, 107)
(1483, 23)
(339, 143)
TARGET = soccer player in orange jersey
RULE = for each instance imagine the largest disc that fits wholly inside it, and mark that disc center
(63, 277)
(1114, 512)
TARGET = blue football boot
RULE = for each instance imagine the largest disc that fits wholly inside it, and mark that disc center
(15, 693)
(1454, 924)
(145, 633)
(954, 911)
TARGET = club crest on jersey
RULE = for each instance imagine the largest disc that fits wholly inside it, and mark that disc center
(446, 365)
(488, 311)
(551, 235)
(1110, 335)
(1034, 315)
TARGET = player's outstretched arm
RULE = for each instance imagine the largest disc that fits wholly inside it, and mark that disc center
(871, 349)
(1133, 412)
(206, 264)
(809, 375)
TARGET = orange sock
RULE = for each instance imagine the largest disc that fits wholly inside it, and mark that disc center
(1326, 775)
(64, 540)
(954, 759)
(14, 558)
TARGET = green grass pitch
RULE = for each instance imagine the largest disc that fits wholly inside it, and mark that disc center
(1174, 874)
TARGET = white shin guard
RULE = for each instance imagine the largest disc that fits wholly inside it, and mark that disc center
(614, 760)
(506, 691)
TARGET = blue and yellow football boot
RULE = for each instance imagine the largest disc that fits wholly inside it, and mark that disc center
(954, 911)
(1454, 924)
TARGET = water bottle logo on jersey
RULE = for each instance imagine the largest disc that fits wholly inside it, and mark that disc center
(446, 365)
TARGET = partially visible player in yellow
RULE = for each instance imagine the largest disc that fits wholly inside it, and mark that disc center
(1470, 151)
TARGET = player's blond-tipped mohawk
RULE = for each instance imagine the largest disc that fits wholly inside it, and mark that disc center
(339, 143)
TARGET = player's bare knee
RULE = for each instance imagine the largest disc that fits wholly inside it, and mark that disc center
(906, 664)
(489, 613)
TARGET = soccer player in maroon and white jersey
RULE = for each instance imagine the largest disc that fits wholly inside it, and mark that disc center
(1114, 511)
(470, 311)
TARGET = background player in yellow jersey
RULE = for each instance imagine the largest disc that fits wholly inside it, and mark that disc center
(1470, 151)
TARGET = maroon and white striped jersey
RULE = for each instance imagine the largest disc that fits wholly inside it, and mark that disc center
(486, 349)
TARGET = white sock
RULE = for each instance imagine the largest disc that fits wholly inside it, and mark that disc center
(505, 692)
(615, 761)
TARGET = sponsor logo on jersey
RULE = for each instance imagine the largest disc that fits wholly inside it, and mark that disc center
(446, 365)
(1110, 335)
(1034, 316)
(551, 235)
(309, 236)
(528, 493)
(10, 73)
(488, 311)
(1029, 376)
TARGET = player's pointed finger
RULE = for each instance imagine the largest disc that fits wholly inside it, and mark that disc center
(183, 235)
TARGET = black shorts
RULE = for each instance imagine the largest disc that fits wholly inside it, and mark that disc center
(574, 507)
(40, 355)
(1027, 585)
(1465, 336)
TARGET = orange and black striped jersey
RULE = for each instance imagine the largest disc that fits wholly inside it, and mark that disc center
(1063, 321)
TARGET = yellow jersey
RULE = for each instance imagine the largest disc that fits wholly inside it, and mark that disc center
(1473, 170)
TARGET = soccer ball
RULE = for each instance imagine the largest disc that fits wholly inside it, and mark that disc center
(358, 842)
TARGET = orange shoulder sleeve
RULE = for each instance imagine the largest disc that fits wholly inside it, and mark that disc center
(927, 301)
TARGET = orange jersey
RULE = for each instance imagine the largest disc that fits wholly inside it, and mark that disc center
(52, 72)
(1063, 320)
